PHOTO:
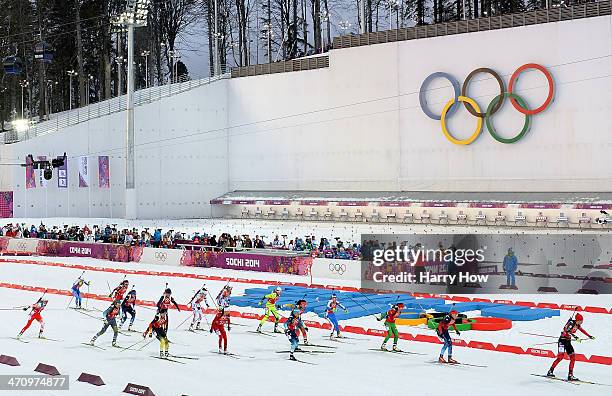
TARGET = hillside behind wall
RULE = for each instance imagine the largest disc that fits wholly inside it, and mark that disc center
(353, 126)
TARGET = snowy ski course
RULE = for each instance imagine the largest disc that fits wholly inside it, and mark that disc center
(212, 373)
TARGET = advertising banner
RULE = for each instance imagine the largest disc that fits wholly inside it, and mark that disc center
(83, 172)
(247, 262)
(6, 204)
(103, 171)
(30, 176)
(41, 173)
(157, 255)
(104, 251)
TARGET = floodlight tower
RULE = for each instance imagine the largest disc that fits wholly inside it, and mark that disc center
(135, 15)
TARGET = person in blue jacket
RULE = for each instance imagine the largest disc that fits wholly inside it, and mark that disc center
(510, 267)
(330, 314)
(157, 236)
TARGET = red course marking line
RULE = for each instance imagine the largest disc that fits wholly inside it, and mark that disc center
(596, 359)
(269, 282)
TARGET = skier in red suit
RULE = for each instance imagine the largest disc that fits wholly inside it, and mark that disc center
(565, 345)
(218, 326)
(35, 314)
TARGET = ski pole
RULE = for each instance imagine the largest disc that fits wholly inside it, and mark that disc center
(145, 345)
(177, 327)
(133, 345)
(539, 335)
(364, 308)
(211, 297)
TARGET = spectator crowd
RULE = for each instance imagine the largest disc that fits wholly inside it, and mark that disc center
(174, 239)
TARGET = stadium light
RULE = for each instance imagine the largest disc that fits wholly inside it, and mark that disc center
(135, 15)
(21, 125)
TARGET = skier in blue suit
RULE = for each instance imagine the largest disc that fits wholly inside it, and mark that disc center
(330, 314)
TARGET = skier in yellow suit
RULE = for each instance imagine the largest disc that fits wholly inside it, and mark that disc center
(271, 309)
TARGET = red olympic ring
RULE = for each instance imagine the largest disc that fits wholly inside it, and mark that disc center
(551, 88)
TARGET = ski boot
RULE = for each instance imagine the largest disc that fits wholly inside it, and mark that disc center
(161, 354)
(339, 335)
(93, 340)
(19, 335)
(291, 357)
(197, 327)
(40, 334)
(130, 327)
(395, 348)
(190, 327)
(452, 361)
(306, 341)
(225, 351)
(114, 344)
(276, 330)
(259, 329)
(550, 374)
(331, 335)
(570, 377)
(166, 354)
(441, 359)
(220, 351)
(383, 347)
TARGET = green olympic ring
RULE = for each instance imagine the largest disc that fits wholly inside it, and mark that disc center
(489, 113)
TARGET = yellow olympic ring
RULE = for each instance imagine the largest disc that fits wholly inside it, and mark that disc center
(448, 135)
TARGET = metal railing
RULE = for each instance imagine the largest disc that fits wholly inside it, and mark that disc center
(58, 121)
(315, 62)
(558, 14)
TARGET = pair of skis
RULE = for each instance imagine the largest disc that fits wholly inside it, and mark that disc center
(173, 358)
(399, 351)
(573, 382)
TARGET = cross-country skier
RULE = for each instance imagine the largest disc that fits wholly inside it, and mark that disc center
(330, 314)
(223, 298)
(76, 290)
(166, 301)
(110, 320)
(196, 307)
(301, 306)
(390, 316)
(159, 326)
(119, 291)
(218, 326)
(128, 307)
(291, 325)
(442, 331)
(35, 314)
(271, 309)
(565, 345)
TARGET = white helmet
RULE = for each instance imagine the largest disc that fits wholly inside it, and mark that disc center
(278, 289)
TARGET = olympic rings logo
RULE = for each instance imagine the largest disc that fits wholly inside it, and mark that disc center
(461, 95)
(161, 256)
(339, 269)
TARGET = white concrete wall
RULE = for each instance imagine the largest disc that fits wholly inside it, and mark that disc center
(362, 128)
(356, 125)
(181, 158)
